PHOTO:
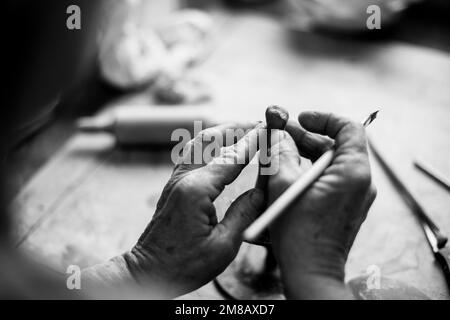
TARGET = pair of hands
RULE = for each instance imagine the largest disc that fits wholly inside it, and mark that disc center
(185, 246)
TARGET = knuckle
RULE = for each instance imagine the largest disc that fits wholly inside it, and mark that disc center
(356, 126)
(355, 133)
(228, 152)
(206, 134)
(184, 187)
(353, 125)
(335, 123)
(247, 212)
(289, 153)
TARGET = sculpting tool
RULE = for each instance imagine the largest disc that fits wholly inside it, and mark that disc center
(410, 200)
(433, 174)
(442, 254)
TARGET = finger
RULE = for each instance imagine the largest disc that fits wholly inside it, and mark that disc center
(348, 135)
(224, 169)
(285, 163)
(351, 159)
(310, 145)
(192, 157)
(213, 138)
(242, 212)
(284, 150)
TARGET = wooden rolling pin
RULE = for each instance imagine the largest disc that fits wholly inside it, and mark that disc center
(147, 125)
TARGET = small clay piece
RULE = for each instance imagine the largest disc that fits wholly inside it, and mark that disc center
(276, 118)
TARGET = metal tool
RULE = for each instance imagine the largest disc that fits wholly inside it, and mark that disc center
(433, 174)
(442, 255)
(436, 239)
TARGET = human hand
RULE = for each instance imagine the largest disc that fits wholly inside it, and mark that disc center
(312, 239)
(185, 246)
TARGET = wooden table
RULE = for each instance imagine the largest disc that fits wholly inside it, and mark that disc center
(92, 200)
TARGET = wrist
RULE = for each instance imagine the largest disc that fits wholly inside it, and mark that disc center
(312, 267)
(311, 256)
(149, 273)
(316, 287)
(109, 279)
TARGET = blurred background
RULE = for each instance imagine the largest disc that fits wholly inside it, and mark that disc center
(220, 54)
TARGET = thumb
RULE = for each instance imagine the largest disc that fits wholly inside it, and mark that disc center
(242, 212)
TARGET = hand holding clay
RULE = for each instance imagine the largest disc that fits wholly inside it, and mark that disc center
(312, 239)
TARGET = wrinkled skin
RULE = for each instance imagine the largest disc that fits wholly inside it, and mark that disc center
(184, 246)
(314, 236)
